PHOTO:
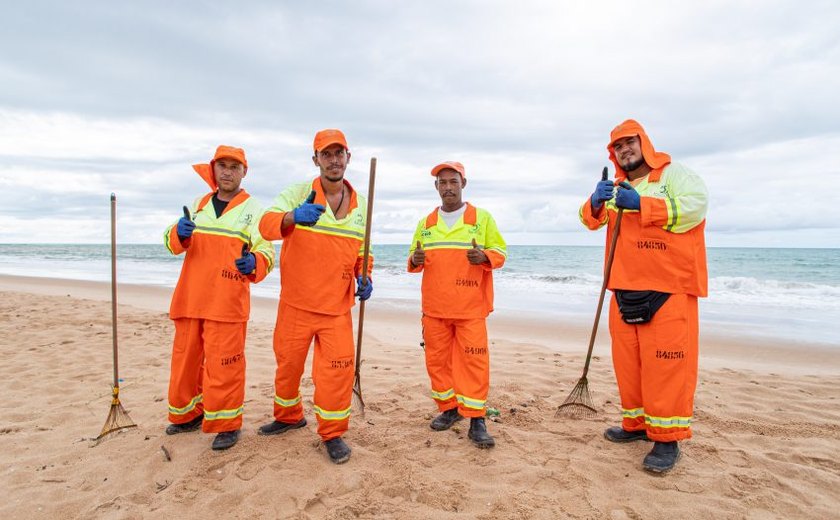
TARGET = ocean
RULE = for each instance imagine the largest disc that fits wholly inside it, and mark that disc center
(790, 294)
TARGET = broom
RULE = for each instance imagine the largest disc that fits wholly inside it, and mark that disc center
(579, 402)
(118, 418)
(358, 402)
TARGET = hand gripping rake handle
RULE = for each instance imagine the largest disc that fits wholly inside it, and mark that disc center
(607, 269)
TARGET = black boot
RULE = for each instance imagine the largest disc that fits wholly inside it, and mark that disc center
(175, 429)
(619, 434)
(478, 433)
(338, 450)
(275, 427)
(662, 457)
(445, 420)
(225, 440)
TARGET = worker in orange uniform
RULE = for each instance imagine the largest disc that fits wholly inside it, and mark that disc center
(225, 254)
(456, 247)
(659, 271)
(322, 225)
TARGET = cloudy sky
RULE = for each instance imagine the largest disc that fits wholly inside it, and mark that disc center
(101, 97)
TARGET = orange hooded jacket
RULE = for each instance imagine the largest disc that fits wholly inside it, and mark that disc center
(662, 246)
(210, 286)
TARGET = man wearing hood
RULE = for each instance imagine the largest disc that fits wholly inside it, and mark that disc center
(658, 272)
(225, 254)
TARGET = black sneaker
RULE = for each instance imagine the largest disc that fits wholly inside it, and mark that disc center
(275, 427)
(663, 457)
(619, 434)
(338, 450)
(225, 440)
(478, 433)
(175, 429)
(445, 420)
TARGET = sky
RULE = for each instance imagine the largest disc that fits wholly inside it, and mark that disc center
(101, 96)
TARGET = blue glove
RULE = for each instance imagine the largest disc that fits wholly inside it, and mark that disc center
(627, 197)
(185, 228)
(603, 192)
(307, 214)
(363, 291)
(246, 264)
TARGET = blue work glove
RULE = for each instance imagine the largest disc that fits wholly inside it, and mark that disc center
(246, 264)
(603, 192)
(307, 214)
(627, 197)
(363, 291)
(185, 225)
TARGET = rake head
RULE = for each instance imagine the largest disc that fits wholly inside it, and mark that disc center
(118, 418)
(358, 403)
(579, 403)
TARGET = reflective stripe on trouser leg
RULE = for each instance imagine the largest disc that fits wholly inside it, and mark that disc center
(293, 334)
(333, 373)
(439, 337)
(669, 350)
(626, 363)
(471, 366)
(185, 375)
(224, 375)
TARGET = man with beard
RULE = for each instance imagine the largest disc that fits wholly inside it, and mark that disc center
(658, 272)
(456, 247)
(322, 225)
(225, 254)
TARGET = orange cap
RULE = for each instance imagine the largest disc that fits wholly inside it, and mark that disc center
(229, 152)
(656, 160)
(327, 137)
(449, 165)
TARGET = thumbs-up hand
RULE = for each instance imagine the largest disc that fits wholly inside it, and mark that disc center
(419, 256)
(246, 263)
(308, 213)
(475, 255)
(185, 226)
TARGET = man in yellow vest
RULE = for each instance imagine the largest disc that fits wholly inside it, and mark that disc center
(457, 246)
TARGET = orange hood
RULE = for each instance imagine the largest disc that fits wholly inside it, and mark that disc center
(656, 160)
(205, 171)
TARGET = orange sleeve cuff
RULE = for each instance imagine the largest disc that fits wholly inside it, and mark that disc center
(357, 269)
(496, 260)
(175, 244)
(413, 268)
(654, 211)
(590, 219)
(259, 273)
(271, 226)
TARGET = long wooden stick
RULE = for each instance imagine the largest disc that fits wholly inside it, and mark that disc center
(357, 384)
(114, 286)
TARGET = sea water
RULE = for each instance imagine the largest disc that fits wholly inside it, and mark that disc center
(790, 294)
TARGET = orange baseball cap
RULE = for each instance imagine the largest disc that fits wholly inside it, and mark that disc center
(230, 152)
(449, 165)
(327, 137)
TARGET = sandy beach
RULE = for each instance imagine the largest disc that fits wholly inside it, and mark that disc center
(766, 430)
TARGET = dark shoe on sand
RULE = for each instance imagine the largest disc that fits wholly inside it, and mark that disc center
(175, 429)
(445, 420)
(276, 427)
(478, 433)
(338, 450)
(225, 440)
(618, 434)
(663, 457)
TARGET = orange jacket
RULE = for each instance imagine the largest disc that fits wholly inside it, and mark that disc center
(662, 246)
(210, 286)
(318, 264)
(453, 287)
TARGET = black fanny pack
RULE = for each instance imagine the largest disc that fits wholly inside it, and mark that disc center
(639, 306)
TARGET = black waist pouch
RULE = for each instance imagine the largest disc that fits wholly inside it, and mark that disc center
(639, 306)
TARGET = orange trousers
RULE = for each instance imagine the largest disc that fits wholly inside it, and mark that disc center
(458, 363)
(656, 368)
(332, 367)
(207, 375)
